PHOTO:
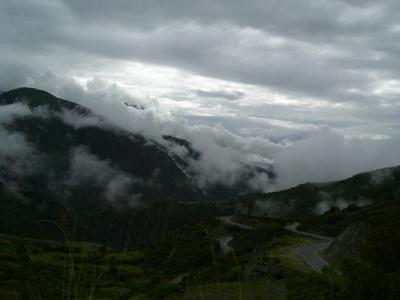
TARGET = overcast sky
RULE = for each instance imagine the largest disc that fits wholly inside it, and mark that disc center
(259, 67)
(279, 70)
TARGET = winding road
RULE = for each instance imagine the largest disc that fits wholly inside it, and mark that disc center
(311, 252)
(225, 240)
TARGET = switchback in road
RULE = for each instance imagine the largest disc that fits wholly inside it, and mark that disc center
(311, 252)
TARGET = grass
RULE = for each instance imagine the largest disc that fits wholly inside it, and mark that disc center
(258, 268)
(54, 270)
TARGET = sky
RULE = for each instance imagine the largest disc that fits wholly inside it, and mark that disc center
(311, 74)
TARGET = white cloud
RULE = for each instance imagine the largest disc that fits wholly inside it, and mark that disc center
(307, 154)
(17, 157)
(225, 156)
(87, 168)
(77, 120)
(380, 176)
(9, 112)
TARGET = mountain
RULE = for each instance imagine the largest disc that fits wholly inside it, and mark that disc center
(55, 137)
(317, 198)
(72, 166)
(36, 98)
(65, 158)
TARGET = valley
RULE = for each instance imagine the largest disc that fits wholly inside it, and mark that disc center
(92, 211)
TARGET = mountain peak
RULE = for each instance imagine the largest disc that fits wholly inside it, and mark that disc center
(35, 98)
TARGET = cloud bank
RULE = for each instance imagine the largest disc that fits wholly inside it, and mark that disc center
(225, 158)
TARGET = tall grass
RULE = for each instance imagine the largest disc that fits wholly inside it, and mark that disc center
(73, 286)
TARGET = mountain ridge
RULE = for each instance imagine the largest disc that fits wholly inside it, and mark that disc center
(310, 199)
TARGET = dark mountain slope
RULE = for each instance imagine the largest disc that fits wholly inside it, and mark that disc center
(110, 182)
(131, 154)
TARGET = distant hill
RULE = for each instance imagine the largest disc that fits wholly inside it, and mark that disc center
(317, 198)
